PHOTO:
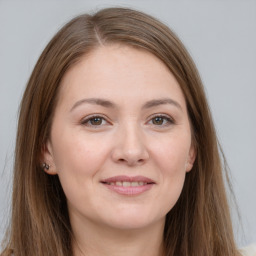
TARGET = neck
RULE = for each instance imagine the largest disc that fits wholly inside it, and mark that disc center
(90, 239)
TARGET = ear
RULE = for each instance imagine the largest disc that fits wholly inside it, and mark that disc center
(191, 158)
(47, 159)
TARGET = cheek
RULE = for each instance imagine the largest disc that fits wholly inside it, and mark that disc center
(171, 158)
(171, 155)
(77, 153)
(78, 161)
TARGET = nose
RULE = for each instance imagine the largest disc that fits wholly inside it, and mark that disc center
(130, 147)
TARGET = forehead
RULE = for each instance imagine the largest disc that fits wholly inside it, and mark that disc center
(119, 72)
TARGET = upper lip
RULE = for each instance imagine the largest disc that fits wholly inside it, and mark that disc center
(128, 179)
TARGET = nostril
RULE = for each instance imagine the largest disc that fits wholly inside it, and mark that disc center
(131, 162)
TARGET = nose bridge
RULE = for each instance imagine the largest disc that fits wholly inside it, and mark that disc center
(132, 138)
(130, 144)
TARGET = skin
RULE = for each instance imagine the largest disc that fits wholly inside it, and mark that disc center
(127, 139)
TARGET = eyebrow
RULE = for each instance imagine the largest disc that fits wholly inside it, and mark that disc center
(109, 104)
(94, 101)
(164, 101)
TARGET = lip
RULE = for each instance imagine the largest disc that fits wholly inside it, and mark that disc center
(128, 190)
(128, 179)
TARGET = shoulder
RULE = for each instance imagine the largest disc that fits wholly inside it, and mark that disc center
(249, 250)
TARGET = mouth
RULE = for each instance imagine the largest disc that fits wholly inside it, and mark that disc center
(126, 185)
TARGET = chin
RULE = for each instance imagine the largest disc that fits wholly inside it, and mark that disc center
(133, 220)
(130, 225)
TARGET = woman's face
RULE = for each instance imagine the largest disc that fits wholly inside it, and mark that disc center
(120, 139)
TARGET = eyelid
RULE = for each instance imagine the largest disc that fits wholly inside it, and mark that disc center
(84, 121)
(166, 116)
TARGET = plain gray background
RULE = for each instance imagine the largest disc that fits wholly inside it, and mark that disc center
(221, 37)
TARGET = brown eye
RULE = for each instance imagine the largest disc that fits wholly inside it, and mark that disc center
(158, 120)
(161, 121)
(95, 121)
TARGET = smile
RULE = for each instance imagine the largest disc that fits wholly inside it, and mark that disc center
(126, 185)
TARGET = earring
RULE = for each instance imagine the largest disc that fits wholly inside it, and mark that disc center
(46, 166)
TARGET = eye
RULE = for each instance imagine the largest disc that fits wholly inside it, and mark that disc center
(94, 121)
(161, 120)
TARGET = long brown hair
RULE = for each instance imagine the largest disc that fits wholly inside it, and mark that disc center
(198, 225)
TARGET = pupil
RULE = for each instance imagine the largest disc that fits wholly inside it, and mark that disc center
(158, 120)
(96, 121)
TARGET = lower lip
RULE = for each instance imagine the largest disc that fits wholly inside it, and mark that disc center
(130, 191)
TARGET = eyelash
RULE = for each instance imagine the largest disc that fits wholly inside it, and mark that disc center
(168, 120)
(90, 118)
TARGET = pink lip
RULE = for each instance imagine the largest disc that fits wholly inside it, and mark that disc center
(131, 190)
(128, 178)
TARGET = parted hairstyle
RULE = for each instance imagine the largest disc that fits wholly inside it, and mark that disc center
(198, 225)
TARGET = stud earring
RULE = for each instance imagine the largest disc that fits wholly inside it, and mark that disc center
(46, 166)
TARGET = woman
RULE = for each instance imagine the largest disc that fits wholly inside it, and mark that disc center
(116, 152)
